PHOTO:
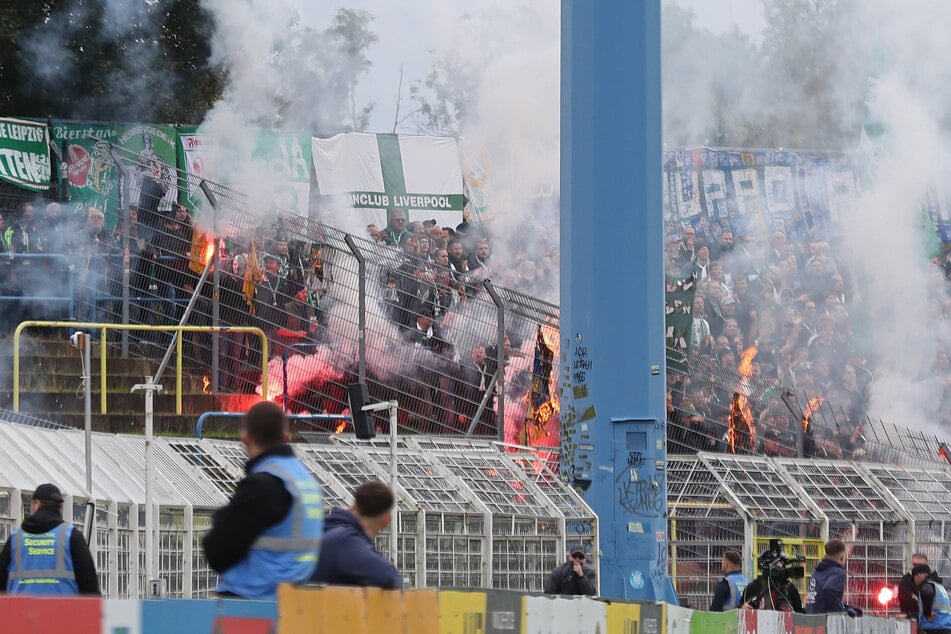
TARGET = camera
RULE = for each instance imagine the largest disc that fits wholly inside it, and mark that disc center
(778, 567)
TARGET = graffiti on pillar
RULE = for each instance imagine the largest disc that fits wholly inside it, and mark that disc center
(640, 496)
(577, 363)
(659, 567)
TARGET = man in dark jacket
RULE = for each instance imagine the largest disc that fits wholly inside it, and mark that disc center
(269, 533)
(908, 590)
(29, 560)
(728, 594)
(573, 577)
(347, 557)
(827, 585)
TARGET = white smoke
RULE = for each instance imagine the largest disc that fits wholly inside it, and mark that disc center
(760, 89)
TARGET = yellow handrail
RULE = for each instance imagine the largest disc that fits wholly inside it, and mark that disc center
(105, 328)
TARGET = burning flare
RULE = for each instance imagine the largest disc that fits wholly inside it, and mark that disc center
(341, 426)
(206, 384)
(811, 407)
(209, 252)
(741, 434)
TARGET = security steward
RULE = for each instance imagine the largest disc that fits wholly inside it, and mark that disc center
(934, 606)
(269, 533)
(45, 555)
(728, 594)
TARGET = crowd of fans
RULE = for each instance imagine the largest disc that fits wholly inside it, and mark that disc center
(273, 278)
(792, 302)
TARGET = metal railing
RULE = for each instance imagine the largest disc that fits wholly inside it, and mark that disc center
(104, 329)
(23, 272)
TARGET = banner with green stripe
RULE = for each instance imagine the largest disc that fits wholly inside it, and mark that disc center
(378, 172)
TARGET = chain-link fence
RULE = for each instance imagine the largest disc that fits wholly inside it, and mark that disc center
(459, 354)
(729, 409)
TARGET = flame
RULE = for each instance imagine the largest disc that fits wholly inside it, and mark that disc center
(209, 252)
(206, 384)
(536, 429)
(811, 407)
(741, 433)
(745, 368)
(341, 426)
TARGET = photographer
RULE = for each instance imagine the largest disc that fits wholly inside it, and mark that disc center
(775, 589)
(573, 577)
(828, 583)
(728, 595)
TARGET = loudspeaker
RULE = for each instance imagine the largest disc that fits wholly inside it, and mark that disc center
(362, 421)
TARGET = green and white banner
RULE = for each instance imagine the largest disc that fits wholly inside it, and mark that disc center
(278, 169)
(154, 147)
(90, 170)
(377, 172)
(25, 154)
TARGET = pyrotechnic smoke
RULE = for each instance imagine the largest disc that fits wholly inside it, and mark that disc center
(724, 89)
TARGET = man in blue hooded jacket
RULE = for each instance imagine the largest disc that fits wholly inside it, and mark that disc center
(347, 555)
(827, 585)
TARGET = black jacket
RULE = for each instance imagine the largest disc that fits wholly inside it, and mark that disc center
(83, 566)
(259, 502)
(563, 580)
(348, 558)
(908, 596)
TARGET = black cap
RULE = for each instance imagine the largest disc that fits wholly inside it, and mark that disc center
(578, 550)
(919, 569)
(429, 223)
(47, 493)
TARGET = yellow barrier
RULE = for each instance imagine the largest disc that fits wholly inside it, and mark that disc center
(105, 328)
(357, 610)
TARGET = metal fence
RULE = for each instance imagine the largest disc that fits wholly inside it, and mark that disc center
(883, 513)
(336, 308)
(470, 514)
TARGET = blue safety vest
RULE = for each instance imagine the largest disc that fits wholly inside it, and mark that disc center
(738, 584)
(40, 563)
(941, 607)
(287, 551)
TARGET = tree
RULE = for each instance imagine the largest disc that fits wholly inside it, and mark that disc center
(95, 59)
(818, 62)
(444, 101)
(351, 30)
(709, 84)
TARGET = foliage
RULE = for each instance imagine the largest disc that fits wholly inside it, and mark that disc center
(802, 86)
(444, 102)
(109, 61)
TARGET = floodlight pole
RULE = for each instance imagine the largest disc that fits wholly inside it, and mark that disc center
(393, 406)
(151, 553)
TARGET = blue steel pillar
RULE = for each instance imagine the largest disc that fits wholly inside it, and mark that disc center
(612, 286)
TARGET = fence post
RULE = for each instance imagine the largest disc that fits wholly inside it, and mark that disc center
(216, 283)
(361, 306)
(125, 199)
(500, 357)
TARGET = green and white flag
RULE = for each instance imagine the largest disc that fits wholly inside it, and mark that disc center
(277, 170)
(25, 154)
(377, 172)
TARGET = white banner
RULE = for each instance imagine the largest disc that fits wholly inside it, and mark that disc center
(377, 172)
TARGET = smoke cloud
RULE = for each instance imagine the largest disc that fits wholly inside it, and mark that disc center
(810, 89)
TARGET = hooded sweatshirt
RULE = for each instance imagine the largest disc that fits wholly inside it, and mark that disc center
(84, 568)
(348, 558)
(826, 588)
